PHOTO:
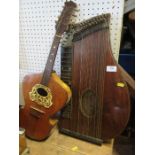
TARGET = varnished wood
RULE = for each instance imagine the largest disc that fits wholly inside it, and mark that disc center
(91, 55)
(38, 128)
(35, 117)
(129, 80)
(61, 27)
(59, 144)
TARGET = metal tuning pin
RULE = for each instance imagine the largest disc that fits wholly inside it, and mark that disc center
(90, 24)
(74, 15)
(58, 17)
(95, 22)
(77, 10)
(73, 22)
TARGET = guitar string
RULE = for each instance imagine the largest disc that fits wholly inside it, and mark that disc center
(97, 55)
(90, 52)
(90, 112)
(102, 56)
(94, 54)
(97, 106)
(101, 103)
(98, 36)
(97, 83)
(52, 54)
(82, 60)
(79, 97)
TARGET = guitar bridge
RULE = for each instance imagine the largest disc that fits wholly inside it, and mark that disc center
(36, 112)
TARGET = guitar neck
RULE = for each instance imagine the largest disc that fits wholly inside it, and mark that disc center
(51, 60)
(61, 27)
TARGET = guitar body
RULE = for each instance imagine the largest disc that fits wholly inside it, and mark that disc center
(36, 118)
(45, 94)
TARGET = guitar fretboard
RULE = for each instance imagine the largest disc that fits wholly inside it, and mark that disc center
(50, 61)
(61, 27)
(66, 76)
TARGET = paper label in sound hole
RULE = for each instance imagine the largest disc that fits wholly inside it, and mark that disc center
(111, 69)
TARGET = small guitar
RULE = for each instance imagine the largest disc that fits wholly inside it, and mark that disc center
(45, 94)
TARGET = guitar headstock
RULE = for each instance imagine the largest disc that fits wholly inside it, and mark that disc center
(65, 17)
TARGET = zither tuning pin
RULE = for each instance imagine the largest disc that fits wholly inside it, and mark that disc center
(73, 22)
(74, 15)
(58, 17)
(77, 10)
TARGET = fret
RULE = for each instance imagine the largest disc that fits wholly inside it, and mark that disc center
(66, 55)
(66, 68)
(66, 65)
(63, 72)
(66, 62)
(67, 52)
(61, 27)
(50, 61)
(66, 72)
(66, 80)
(66, 77)
(66, 58)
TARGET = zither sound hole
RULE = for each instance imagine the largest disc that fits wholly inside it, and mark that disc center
(42, 92)
(88, 103)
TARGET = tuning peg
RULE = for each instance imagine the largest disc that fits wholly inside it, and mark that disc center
(58, 17)
(83, 24)
(73, 22)
(77, 10)
(74, 15)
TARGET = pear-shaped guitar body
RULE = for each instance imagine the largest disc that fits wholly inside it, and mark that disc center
(34, 117)
(46, 94)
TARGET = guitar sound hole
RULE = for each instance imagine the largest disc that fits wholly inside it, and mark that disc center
(42, 92)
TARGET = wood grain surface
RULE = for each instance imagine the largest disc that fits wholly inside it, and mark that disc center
(60, 144)
(38, 127)
(104, 114)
